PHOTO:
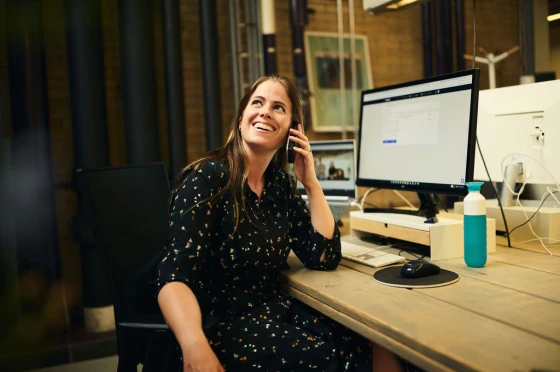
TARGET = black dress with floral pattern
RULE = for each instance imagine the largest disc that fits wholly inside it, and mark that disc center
(249, 323)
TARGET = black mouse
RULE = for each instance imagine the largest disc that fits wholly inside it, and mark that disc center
(418, 269)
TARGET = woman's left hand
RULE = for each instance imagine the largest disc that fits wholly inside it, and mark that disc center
(304, 165)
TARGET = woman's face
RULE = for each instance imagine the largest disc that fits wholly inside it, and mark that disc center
(266, 119)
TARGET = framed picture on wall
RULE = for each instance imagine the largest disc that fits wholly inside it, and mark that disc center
(333, 110)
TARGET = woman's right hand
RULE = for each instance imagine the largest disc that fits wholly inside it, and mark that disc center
(201, 359)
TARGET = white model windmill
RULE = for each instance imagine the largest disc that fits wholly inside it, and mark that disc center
(491, 61)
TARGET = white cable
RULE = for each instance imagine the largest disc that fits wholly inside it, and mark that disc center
(365, 196)
(354, 203)
(536, 161)
(550, 191)
(541, 241)
(539, 238)
(532, 240)
(518, 194)
(403, 198)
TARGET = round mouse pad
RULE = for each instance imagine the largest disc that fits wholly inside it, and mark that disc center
(392, 276)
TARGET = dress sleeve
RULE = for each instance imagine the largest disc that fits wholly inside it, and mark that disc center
(190, 227)
(307, 243)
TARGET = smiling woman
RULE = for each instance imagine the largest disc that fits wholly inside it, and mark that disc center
(235, 215)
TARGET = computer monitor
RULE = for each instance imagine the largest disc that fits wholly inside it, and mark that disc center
(335, 167)
(510, 123)
(420, 136)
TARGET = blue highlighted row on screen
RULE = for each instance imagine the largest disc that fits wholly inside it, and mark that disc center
(390, 141)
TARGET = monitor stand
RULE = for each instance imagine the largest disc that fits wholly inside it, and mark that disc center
(445, 238)
(428, 208)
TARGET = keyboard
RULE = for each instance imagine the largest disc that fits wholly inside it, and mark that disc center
(338, 210)
(368, 255)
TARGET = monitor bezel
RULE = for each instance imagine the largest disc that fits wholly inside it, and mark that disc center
(435, 188)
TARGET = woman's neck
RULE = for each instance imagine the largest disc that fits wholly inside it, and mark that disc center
(256, 167)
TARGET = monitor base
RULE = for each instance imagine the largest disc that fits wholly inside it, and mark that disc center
(445, 238)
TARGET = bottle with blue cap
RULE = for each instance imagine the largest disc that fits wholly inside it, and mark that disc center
(474, 222)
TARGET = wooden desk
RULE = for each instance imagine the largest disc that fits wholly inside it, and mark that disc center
(503, 317)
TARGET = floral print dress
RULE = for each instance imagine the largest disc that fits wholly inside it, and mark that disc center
(248, 322)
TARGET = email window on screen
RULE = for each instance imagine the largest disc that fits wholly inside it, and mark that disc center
(407, 124)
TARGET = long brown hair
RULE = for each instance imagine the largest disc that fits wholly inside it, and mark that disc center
(233, 152)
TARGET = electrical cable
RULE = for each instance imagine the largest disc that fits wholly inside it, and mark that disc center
(371, 205)
(365, 195)
(534, 214)
(404, 199)
(534, 160)
(477, 143)
(474, 33)
(495, 193)
(412, 254)
(549, 191)
(540, 240)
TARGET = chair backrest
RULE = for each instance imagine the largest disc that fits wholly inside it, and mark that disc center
(129, 219)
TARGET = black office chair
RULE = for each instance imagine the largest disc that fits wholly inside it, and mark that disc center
(128, 209)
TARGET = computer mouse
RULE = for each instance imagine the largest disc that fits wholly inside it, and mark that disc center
(418, 269)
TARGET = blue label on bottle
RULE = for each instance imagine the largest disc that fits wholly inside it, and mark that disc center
(475, 240)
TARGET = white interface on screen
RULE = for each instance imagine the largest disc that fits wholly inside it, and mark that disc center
(418, 133)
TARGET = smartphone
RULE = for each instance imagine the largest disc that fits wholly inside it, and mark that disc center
(290, 145)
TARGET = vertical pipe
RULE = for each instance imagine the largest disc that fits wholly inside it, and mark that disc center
(269, 36)
(249, 36)
(5, 118)
(139, 84)
(30, 150)
(234, 44)
(257, 11)
(447, 36)
(491, 71)
(297, 17)
(526, 27)
(210, 73)
(254, 44)
(174, 86)
(354, 97)
(89, 130)
(460, 34)
(8, 239)
(87, 83)
(427, 38)
(341, 69)
(298, 20)
(438, 30)
(442, 33)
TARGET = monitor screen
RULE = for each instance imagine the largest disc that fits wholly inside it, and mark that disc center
(420, 135)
